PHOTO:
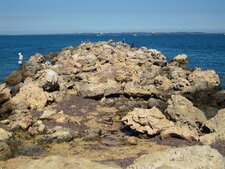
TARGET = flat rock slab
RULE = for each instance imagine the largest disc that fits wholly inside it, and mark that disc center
(194, 157)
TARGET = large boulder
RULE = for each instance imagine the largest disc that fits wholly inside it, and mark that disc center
(48, 80)
(182, 58)
(208, 76)
(215, 126)
(194, 157)
(150, 121)
(4, 93)
(100, 89)
(58, 162)
(182, 110)
(5, 151)
(4, 135)
(30, 96)
(180, 131)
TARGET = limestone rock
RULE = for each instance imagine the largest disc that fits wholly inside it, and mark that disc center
(37, 57)
(20, 120)
(4, 93)
(150, 121)
(58, 162)
(216, 126)
(47, 114)
(4, 135)
(163, 82)
(181, 59)
(30, 96)
(59, 134)
(99, 90)
(182, 110)
(208, 76)
(48, 80)
(193, 157)
(5, 151)
(181, 131)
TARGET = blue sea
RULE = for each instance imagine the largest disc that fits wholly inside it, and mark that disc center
(204, 51)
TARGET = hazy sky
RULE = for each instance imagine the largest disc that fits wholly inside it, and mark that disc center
(70, 16)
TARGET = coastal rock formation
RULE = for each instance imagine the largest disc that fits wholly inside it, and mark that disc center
(181, 59)
(30, 96)
(182, 110)
(150, 121)
(182, 158)
(216, 128)
(4, 135)
(4, 93)
(84, 93)
(48, 80)
(5, 151)
(58, 162)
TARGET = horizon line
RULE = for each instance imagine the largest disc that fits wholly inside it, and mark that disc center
(133, 32)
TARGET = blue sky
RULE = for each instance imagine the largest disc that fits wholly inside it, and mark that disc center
(71, 16)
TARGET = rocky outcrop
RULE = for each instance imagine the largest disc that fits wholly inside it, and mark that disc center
(4, 135)
(150, 121)
(30, 96)
(182, 158)
(58, 162)
(4, 93)
(181, 59)
(5, 151)
(58, 134)
(182, 110)
(48, 80)
(215, 127)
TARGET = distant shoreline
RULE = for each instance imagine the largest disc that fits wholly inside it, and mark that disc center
(124, 33)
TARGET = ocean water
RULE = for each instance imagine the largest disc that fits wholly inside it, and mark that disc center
(204, 51)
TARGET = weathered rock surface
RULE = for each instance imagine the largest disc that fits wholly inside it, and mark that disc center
(57, 162)
(48, 80)
(194, 157)
(180, 131)
(4, 93)
(216, 127)
(182, 110)
(150, 121)
(4, 135)
(181, 59)
(30, 96)
(58, 134)
(5, 151)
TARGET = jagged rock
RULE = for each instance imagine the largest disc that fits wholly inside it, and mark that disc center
(14, 78)
(161, 105)
(48, 80)
(99, 90)
(4, 93)
(193, 157)
(215, 128)
(47, 114)
(181, 59)
(180, 131)
(57, 162)
(58, 134)
(4, 135)
(219, 98)
(20, 120)
(182, 110)
(37, 128)
(139, 90)
(5, 151)
(37, 58)
(208, 76)
(30, 96)
(150, 121)
(163, 82)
